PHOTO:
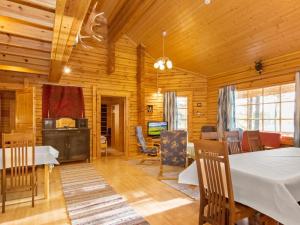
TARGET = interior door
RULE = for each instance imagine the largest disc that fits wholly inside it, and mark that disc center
(25, 109)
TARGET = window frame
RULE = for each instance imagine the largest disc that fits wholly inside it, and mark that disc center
(261, 118)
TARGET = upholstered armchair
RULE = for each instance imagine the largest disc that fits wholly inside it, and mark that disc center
(173, 147)
(148, 149)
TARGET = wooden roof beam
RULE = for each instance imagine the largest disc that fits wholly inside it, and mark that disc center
(128, 14)
(48, 5)
(16, 41)
(27, 14)
(12, 26)
(69, 17)
(21, 69)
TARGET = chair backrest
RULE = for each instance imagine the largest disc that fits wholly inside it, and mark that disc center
(173, 146)
(208, 128)
(18, 155)
(214, 181)
(140, 138)
(233, 142)
(254, 141)
(209, 136)
(234, 146)
(231, 135)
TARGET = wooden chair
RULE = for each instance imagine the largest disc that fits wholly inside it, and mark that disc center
(232, 139)
(209, 136)
(18, 160)
(254, 141)
(173, 151)
(148, 149)
(217, 206)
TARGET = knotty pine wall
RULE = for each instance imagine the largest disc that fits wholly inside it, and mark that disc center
(278, 70)
(89, 69)
(175, 80)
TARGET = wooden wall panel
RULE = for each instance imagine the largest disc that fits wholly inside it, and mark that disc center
(88, 70)
(276, 71)
(176, 80)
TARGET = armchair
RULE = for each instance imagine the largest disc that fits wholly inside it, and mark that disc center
(173, 151)
(148, 149)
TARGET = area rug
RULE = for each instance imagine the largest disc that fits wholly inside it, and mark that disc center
(152, 168)
(90, 200)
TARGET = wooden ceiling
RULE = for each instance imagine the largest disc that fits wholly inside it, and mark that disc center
(208, 39)
(25, 35)
(219, 37)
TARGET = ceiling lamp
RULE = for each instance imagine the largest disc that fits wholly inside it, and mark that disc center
(207, 2)
(163, 62)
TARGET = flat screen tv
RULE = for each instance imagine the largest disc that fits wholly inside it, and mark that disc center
(156, 127)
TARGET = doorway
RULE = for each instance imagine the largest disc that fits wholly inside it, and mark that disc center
(7, 112)
(113, 124)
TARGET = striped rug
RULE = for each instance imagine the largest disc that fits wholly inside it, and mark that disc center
(90, 200)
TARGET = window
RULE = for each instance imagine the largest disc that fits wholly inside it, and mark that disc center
(267, 109)
(182, 112)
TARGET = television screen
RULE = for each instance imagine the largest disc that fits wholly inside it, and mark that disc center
(154, 128)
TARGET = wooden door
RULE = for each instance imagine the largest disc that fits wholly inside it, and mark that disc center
(25, 109)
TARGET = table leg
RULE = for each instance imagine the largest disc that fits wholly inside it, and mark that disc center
(46, 181)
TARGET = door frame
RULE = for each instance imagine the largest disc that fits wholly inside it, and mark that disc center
(97, 95)
(25, 86)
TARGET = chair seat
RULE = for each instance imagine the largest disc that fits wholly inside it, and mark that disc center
(151, 151)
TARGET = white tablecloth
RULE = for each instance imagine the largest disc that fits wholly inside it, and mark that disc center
(190, 150)
(44, 155)
(268, 181)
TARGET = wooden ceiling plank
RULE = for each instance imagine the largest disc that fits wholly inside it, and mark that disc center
(128, 14)
(27, 13)
(68, 21)
(21, 69)
(16, 41)
(11, 26)
(19, 51)
(48, 5)
(26, 60)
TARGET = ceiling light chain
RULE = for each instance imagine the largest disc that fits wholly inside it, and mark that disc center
(163, 62)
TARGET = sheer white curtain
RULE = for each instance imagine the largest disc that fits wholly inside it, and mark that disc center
(297, 111)
(226, 110)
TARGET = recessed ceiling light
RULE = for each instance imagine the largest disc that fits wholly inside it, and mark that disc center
(67, 69)
(207, 2)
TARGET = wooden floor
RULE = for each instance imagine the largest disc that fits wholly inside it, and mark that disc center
(156, 201)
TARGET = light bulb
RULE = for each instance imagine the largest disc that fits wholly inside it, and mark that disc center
(169, 64)
(162, 67)
(160, 62)
(207, 2)
(67, 69)
(156, 65)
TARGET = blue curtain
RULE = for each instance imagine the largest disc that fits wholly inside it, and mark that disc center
(226, 110)
(170, 110)
(297, 112)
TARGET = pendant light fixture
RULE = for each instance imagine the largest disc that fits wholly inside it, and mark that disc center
(163, 62)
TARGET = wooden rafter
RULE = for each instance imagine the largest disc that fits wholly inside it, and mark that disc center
(22, 69)
(27, 14)
(27, 43)
(12, 26)
(127, 16)
(48, 5)
(69, 17)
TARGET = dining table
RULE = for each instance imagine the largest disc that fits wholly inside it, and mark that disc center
(267, 181)
(44, 156)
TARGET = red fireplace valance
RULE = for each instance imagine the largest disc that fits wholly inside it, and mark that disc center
(62, 101)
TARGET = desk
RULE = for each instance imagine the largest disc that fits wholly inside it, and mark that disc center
(268, 181)
(44, 155)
